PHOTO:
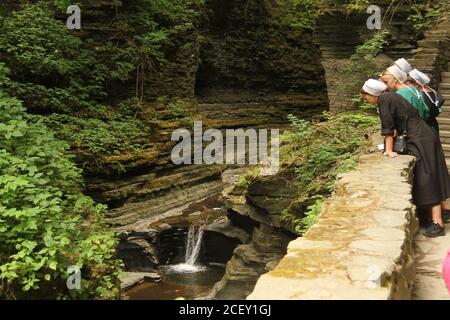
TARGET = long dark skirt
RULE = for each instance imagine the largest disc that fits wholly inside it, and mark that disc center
(431, 178)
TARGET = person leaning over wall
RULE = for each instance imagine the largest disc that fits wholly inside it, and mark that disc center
(397, 80)
(431, 185)
(433, 99)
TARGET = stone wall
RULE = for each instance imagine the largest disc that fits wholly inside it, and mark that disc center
(360, 247)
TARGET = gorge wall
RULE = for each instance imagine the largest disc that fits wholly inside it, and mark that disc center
(338, 34)
(241, 67)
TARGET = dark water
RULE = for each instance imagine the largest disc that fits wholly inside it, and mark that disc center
(175, 285)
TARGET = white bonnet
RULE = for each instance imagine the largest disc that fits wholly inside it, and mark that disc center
(404, 65)
(420, 77)
(374, 87)
(398, 73)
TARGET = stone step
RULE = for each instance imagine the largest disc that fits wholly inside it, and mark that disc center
(444, 133)
(443, 120)
(446, 147)
(444, 127)
(434, 31)
(419, 51)
(445, 112)
(444, 91)
(421, 63)
(444, 86)
(429, 43)
(445, 140)
(426, 55)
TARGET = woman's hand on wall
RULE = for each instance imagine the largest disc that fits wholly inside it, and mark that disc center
(391, 154)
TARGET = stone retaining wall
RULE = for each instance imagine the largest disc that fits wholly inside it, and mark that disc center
(361, 246)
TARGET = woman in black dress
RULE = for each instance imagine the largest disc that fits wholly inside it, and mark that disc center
(433, 100)
(431, 180)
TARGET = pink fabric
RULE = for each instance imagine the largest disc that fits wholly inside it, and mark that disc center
(446, 271)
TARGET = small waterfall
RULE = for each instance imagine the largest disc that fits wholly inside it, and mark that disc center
(194, 243)
(193, 246)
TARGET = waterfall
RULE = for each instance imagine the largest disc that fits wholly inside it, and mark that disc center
(193, 246)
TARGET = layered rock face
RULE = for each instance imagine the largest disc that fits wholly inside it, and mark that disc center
(338, 33)
(258, 213)
(241, 68)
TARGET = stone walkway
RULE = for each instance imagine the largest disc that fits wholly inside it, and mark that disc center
(430, 254)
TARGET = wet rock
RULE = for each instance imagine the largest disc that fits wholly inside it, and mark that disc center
(138, 253)
(131, 279)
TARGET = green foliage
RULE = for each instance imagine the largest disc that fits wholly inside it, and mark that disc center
(357, 5)
(301, 13)
(146, 35)
(371, 47)
(361, 65)
(328, 148)
(362, 104)
(301, 128)
(46, 224)
(425, 15)
(52, 69)
(245, 180)
(96, 138)
(311, 214)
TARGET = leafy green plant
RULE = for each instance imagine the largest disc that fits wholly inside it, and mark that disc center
(362, 104)
(97, 138)
(371, 47)
(311, 214)
(330, 148)
(301, 13)
(53, 71)
(425, 15)
(245, 180)
(46, 223)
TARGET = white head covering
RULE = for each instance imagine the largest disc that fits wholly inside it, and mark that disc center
(374, 87)
(404, 65)
(420, 77)
(398, 73)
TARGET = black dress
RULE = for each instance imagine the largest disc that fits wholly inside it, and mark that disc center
(434, 109)
(431, 179)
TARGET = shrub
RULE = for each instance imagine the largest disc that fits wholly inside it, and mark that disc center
(46, 223)
(316, 155)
